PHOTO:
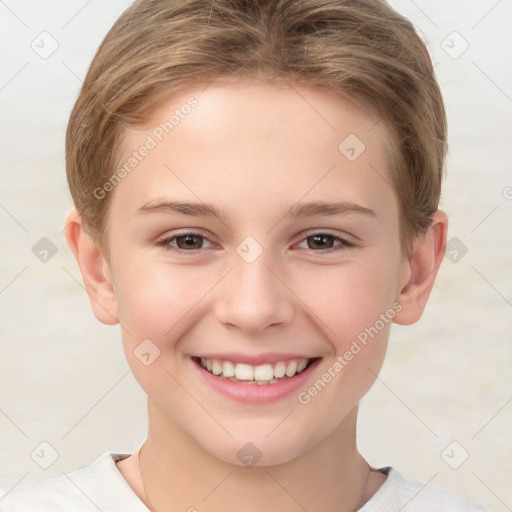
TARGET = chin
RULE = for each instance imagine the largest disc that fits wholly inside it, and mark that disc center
(257, 450)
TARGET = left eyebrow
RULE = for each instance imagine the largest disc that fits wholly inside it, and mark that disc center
(322, 208)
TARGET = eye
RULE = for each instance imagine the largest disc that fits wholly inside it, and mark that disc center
(325, 242)
(186, 242)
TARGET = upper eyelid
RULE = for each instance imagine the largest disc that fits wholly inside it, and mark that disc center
(184, 233)
(344, 237)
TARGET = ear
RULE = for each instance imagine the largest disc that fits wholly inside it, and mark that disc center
(421, 270)
(94, 268)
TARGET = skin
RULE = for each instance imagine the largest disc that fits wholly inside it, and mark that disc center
(255, 160)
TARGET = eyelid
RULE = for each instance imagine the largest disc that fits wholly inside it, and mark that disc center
(335, 234)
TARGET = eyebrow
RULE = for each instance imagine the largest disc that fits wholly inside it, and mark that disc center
(195, 209)
(301, 210)
(322, 208)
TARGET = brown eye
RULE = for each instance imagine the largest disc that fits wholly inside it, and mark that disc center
(186, 242)
(320, 242)
(324, 243)
(189, 241)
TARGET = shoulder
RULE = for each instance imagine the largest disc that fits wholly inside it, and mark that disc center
(99, 486)
(399, 493)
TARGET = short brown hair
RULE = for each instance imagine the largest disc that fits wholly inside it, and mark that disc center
(362, 49)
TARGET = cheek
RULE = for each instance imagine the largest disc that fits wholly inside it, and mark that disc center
(347, 299)
(354, 306)
(156, 303)
(156, 298)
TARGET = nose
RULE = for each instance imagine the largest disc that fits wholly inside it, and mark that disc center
(253, 298)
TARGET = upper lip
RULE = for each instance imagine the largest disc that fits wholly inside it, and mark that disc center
(254, 359)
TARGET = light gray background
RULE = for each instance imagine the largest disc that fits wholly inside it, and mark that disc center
(448, 378)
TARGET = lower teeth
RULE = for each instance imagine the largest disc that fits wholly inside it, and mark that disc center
(258, 382)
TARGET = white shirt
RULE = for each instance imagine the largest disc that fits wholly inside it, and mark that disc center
(101, 486)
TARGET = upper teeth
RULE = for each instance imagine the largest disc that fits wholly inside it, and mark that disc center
(248, 372)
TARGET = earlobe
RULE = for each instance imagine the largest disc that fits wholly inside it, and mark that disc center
(422, 267)
(94, 268)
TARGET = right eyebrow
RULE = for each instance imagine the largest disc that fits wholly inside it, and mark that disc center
(183, 208)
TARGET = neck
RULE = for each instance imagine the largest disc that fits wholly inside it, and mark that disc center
(177, 474)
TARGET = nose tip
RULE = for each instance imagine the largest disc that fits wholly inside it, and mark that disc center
(253, 299)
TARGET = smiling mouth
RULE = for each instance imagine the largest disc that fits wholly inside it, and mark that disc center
(264, 374)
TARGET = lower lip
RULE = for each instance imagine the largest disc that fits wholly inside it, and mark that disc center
(255, 393)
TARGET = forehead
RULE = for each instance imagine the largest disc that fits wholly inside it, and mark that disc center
(252, 144)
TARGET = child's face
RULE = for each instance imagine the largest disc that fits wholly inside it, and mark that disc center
(260, 283)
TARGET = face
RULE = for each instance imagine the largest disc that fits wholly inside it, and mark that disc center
(257, 236)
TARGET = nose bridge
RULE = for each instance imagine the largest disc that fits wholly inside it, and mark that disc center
(253, 298)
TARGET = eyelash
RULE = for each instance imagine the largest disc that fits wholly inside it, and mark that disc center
(344, 243)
